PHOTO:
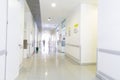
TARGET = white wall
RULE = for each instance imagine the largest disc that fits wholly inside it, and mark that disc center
(60, 38)
(81, 46)
(3, 21)
(39, 39)
(109, 39)
(28, 32)
(74, 38)
(88, 29)
(15, 38)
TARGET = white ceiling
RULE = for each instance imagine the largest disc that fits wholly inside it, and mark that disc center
(61, 11)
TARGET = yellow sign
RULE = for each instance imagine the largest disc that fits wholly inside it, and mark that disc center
(76, 25)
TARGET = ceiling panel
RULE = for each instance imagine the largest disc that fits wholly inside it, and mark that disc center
(34, 6)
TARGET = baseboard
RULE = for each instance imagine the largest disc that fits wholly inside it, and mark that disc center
(85, 64)
(78, 61)
(16, 75)
(72, 58)
(103, 76)
(99, 77)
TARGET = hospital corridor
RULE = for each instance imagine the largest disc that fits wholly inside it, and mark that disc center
(59, 40)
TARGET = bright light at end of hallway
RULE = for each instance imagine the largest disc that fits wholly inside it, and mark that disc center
(53, 4)
(46, 73)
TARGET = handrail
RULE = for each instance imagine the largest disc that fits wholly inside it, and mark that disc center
(73, 45)
(113, 52)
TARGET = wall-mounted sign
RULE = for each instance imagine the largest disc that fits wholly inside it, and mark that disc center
(76, 26)
(25, 44)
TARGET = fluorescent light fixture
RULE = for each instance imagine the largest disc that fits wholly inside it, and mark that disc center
(53, 4)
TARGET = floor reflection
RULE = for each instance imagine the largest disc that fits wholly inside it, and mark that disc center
(49, 64)
(47, 48)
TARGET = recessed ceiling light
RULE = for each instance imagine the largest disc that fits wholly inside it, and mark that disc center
(49, 19)
(53, 4)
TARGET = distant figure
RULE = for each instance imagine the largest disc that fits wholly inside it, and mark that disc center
(43, 42)
(37, 49)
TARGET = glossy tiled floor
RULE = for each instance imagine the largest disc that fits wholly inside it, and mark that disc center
(55, 66)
